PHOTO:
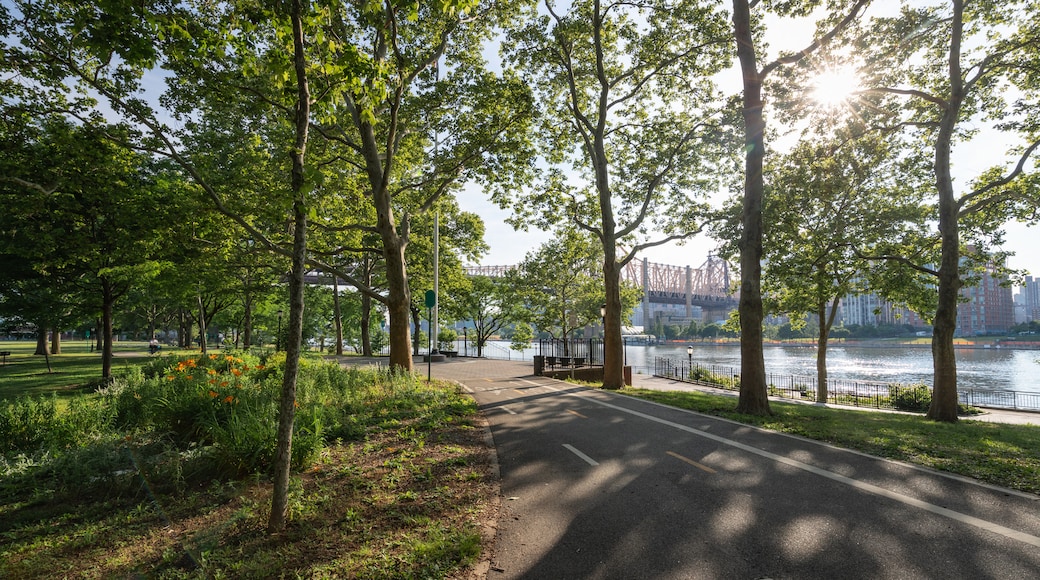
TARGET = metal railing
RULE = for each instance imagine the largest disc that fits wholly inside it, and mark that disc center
(841, 391)
(580, 352)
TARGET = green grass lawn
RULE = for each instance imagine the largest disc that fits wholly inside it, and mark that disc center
(72, 372)
(1000, 454)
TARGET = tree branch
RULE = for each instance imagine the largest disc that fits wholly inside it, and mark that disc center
(899, 259)
(910, 92)
(816, 44)
(44, 189)
(967, 203)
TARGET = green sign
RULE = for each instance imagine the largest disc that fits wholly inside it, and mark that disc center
(431, 298)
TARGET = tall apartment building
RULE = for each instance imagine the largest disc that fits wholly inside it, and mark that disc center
(989, 309)
(1030, 295)
(867, 310)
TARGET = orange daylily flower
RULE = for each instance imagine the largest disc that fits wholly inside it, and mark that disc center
(213, 394)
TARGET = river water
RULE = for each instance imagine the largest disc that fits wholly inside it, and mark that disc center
(983, 368)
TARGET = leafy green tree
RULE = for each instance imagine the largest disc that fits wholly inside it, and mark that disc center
(711, 330)
(630, 107)
(261, 78)
(461, 238)
(559, 284)
(489, 304)
(90, 212)
(974, 66)
(523, 336)
(748, 18)
(832, 202)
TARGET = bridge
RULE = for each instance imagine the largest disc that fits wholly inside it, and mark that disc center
(706, 287)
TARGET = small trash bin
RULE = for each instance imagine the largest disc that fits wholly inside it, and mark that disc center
(539, 364)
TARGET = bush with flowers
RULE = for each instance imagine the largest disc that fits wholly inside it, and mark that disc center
(198, 418)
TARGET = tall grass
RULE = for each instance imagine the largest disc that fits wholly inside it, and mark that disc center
(194, 418)
(161, 475)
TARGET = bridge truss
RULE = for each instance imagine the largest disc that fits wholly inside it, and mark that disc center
(707, 287)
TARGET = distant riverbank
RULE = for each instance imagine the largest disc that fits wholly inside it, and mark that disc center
(997, 343)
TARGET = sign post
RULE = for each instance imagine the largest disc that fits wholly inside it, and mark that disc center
(431, 300)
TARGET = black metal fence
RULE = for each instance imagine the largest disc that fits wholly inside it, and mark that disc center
(841, 391)
(571, 352)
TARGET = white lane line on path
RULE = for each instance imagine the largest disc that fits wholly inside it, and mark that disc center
(573, 412)
(507, 409)
(860, 485)
(467, 389)
(587, 459)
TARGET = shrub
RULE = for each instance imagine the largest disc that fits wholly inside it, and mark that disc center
(26, 423)
(915, 398)
(198, 418)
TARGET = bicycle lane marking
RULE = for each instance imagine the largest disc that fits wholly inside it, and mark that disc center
(856, 484)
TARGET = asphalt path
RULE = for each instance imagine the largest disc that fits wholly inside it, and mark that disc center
(599, 485)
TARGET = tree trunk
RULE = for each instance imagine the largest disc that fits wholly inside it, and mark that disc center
(613, 349)
(55, 341)
(398, 296)
(754, 399)
(287, 401)
(366, 310)
(247, 321)
(825, 320)
(417, 325)
(202, 326)
(41, 341)
(107, 305)
(366, 324)
(337, 315)
(185, 329)
(944, 360)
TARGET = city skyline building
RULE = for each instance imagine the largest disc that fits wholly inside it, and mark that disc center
(1029, 300)
(988, 307)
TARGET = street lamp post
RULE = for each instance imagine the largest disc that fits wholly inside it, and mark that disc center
(689, 355)
(278, 337)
